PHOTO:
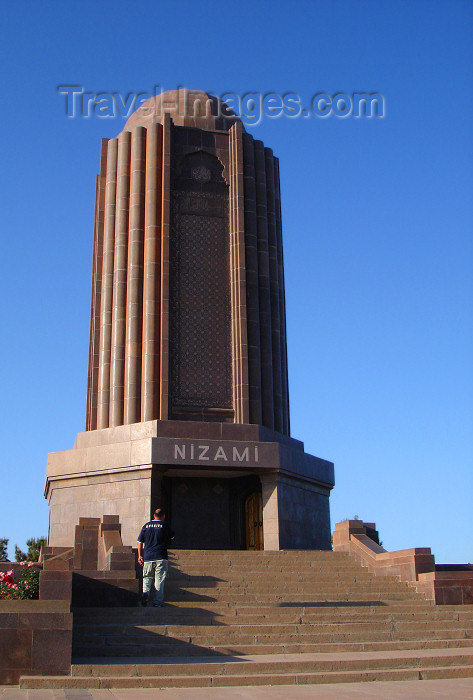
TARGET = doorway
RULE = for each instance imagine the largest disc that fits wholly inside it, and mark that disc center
(254, 521)
(212, 513)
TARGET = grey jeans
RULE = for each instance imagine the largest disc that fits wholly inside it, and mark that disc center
(155, 572)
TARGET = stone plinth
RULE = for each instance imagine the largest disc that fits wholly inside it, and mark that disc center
(132, 469)
(35, 638)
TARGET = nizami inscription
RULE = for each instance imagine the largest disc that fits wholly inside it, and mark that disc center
(215, 453)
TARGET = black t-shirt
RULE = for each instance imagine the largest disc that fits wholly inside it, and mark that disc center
(155, 536)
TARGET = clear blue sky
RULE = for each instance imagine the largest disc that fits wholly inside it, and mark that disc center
(377, 222)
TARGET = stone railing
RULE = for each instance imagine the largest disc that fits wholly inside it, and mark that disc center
(102, 569)
(444, 584)
(36, 635)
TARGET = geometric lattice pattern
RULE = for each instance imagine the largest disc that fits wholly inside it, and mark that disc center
(200, 352)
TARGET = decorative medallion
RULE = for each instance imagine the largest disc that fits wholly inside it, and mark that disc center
(201, 174)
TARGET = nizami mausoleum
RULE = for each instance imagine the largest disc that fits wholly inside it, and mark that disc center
(187, 396)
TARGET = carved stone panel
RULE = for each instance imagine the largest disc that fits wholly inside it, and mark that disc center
(200, 351)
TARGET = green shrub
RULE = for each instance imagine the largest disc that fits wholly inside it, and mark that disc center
(34, 545)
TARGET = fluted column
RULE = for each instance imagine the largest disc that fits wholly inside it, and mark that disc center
(165, 223)
(94, 338)
(274, 291)
(234, 321)
(134, 295)
(238, 279)
(107, 287)
(252, 296)
(282, 302)
(264, 289)
(117, 367)
(152, 273)
(92, 349)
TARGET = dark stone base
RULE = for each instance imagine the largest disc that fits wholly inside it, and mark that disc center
(201, 472)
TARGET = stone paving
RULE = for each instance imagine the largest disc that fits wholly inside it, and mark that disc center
(458, 689)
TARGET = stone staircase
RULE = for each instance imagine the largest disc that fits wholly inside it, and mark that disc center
(265, 618)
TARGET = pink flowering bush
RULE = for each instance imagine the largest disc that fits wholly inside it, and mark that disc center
(21, 586)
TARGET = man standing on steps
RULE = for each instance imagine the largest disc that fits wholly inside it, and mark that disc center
(153, 542)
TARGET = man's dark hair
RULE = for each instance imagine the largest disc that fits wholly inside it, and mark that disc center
(159, 513)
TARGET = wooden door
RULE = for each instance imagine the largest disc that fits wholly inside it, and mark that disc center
(254, 521)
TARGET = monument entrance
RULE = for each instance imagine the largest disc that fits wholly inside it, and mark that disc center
(187, 394)
(254, 521)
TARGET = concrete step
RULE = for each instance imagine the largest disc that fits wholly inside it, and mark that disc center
(276, 579)
(248, 597)
(287, 618)
(289, 569)
(220, 608)
(321, 592)
(307, 567)
(180, 617)
(110, 627)
(195, 646)
(293, 664)
(280, 585)
(260, 586)
(234, 604)
(148, 642)
(52, 682)
(292, 568)
(209, 636)
(284, 617)
(293, 577)
(242, 554)
(271, 628)
(186, 650)
(295, 669)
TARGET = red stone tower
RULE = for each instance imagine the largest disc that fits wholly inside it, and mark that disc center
(187, 399)
(188, 306)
